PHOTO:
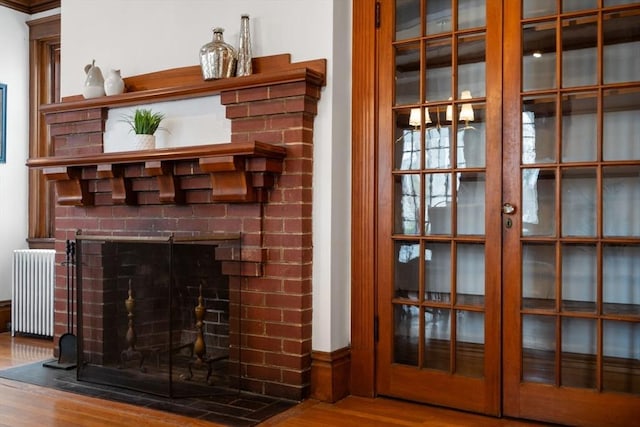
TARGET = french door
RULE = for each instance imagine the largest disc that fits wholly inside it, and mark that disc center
(508, 223)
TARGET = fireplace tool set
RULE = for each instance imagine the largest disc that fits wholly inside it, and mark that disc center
(67, 345)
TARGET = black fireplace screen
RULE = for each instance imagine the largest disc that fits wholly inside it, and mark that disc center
(154, 314)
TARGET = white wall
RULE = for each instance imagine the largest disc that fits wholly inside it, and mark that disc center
(141, 36)
(14, 72)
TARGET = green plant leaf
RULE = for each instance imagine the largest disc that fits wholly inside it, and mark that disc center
(144, 121)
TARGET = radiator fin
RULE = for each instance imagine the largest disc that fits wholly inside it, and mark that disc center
(32, 289)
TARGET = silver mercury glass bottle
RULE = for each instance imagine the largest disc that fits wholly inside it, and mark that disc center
(244, 48)
(217, 58)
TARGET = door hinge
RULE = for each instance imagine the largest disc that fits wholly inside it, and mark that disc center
(377, 14)
(376, 328)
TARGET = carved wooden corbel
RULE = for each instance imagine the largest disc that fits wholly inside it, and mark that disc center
(121, 192)
(229, 180)
(168, 185)
(71, 188)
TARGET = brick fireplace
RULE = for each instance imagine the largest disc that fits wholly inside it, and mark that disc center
(257, 185)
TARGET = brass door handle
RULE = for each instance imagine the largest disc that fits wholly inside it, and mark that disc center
(508, 209)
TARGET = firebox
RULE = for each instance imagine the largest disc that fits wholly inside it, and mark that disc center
(155, 314)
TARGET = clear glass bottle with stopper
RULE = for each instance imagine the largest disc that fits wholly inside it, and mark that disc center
(244, 48)
(217, 58)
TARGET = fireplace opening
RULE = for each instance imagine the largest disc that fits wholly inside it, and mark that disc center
(155, 313)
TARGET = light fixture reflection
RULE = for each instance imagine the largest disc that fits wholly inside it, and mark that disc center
(466, 112)
(415, 118)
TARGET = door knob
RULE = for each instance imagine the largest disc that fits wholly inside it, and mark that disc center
(508, 209)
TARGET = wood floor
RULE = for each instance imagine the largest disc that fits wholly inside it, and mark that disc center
(25, 405)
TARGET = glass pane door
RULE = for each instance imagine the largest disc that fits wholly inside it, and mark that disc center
(576, 311)
(434, 309)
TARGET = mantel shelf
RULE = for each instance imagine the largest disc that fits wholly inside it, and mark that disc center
(186, 83)
(239, 172)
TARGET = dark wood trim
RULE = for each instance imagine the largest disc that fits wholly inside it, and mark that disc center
(5, 315)
(44, 28)
(30, 6)
(363, 199)
(330, 374)
(44, 76)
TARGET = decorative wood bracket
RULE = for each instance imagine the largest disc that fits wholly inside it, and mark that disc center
(71, 189)
(121, 193)
(168, 185)
(238, 172)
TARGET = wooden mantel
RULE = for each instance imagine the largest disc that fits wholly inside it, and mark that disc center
(239, 171)
(186, 83)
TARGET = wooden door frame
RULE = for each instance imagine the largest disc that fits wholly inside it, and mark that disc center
(363, 198)
(44, 42)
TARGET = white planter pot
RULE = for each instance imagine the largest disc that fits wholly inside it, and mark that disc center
(145, 142)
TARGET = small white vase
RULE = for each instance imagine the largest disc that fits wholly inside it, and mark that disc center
(145, 142)
(113, 83)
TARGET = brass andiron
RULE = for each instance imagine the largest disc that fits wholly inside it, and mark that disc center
(199, 346)
(131, 353)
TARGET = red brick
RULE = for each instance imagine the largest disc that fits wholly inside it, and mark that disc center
(251, 298)
(298, 165)
(229, 97)
(267, 344)
(211, 211)
(242, 137)
(237, 111)
(252, 327)
(76, 116)
(269, 136)
(299, 150)
(77, 127)
(263, 313)
(291, 302)
(264, 373)
(254, 124)
(244, 210)
(266, 108)
(298, 135)
(297, 316)
(296, 377)
(287, 121)
(288, 210)
(274, 225)
(288, 89)
(285, 331)
(295, 180)
(297, 346)
(252, 356)
(265, 285)
(251, 225)
(297, 286)
(288, 240)
(288, 360)
(253, 94)
(287, 271)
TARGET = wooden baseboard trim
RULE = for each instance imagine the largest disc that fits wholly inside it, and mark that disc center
(330, 374)
(5, 315)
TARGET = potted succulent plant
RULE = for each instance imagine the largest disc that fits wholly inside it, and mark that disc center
(144, 123)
